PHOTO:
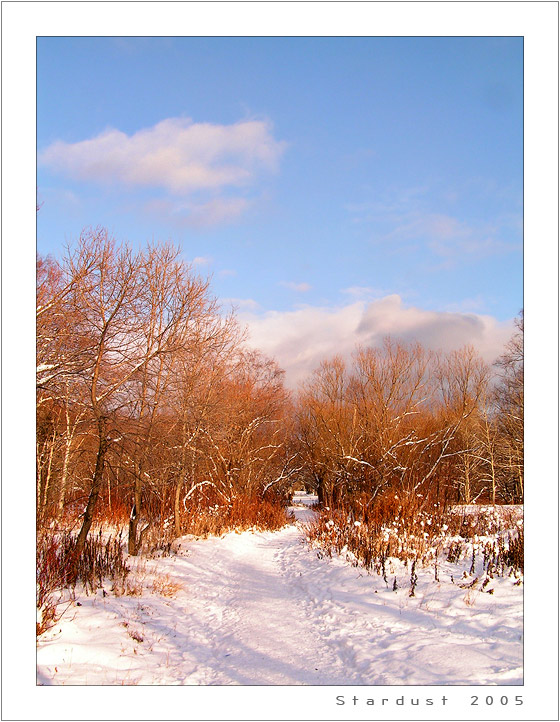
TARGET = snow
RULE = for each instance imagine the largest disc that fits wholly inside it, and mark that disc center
(264, 608)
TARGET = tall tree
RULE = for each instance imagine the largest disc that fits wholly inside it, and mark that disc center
(510, 404)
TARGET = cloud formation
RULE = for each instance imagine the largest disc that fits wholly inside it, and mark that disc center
(299, 340)
(176, 154)
(240, 304)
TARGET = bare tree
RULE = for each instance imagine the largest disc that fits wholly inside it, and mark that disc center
(245, 441)
(108, 333)
(393, 391)
(326, 434)
(392, 421)
(183, 331)
(510, 405)
(488, 444)
(196, 398)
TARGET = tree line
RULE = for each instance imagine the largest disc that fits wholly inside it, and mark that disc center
(151, 407)
(404, 420)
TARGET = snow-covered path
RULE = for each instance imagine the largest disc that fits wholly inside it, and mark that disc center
(264, 609)
(258, 625)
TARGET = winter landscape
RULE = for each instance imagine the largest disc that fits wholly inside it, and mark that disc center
(263, 608)
(280, 363)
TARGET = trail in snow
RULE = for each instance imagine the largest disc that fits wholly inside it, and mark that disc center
(264, 609)
(260, 630)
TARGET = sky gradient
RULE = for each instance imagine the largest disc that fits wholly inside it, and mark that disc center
(336, 189)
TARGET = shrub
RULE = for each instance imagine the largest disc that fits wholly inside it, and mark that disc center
(244, 512)
(52, 573)
(396, 527)
(59, 569)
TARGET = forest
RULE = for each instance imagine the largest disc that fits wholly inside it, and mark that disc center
(156, 417)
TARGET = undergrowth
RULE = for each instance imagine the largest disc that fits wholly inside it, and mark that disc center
(241, 514)
(59, 569)
(491, 539)
(104, 556)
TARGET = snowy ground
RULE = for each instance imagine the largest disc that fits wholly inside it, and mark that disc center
(265, 609)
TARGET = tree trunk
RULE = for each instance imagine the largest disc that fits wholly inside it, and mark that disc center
(467, 489)
(493, 473)
(95, 487)
(46, 486)
(177, 506)
(64, 477)
(133, 540)
(320, 490)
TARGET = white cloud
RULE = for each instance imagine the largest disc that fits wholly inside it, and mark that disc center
(201, 261)
(299, 340)
(299, 287)
(176, 154)
(476, 303)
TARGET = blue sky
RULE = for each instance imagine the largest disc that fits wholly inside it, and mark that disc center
(334, 188)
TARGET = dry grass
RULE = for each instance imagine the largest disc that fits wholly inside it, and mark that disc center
(132, 633)
(245, 512)
(396, 527)
(58, 569)
(164, 586)
(128, 588)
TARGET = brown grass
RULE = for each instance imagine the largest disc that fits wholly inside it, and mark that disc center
(58, 569)
(164, 586)
(396, 527)
(241, 514)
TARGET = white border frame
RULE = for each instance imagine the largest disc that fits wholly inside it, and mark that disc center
(537, 22)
